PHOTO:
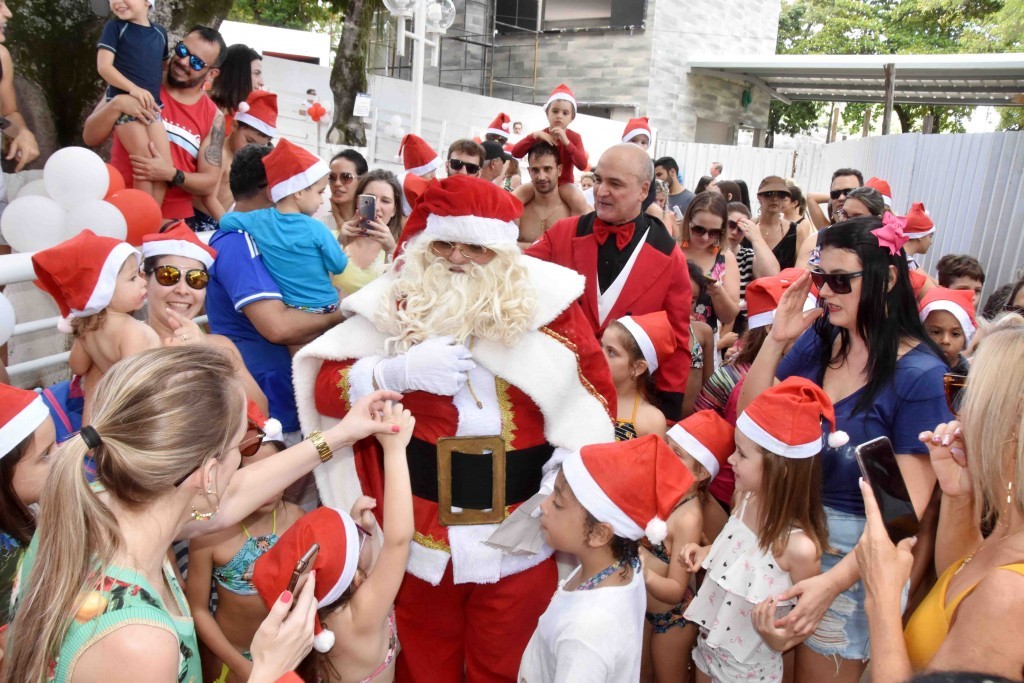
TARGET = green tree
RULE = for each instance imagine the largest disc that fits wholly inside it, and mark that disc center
(301, 15)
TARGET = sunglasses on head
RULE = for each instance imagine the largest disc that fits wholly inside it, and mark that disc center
(470, 251)
(700, 231)
(195, 62)
(733, 225)
(836, 194)
(344, 178)
(839, 283)
(774, 194)
(457, 165)
(954, 384)
(168, 276)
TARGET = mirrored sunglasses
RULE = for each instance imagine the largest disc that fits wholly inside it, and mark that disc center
(168, 276)
(182, 52)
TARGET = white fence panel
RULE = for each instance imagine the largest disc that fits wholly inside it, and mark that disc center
(749, 164)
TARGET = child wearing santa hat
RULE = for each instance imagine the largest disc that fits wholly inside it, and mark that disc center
(418, 157)
(561, 110)
(638, 131)
(255, 123)
(948, 317)
(635, 346)
(920, 232)
(97, 285)
(606, 498)
(703, 442)
(774, 538)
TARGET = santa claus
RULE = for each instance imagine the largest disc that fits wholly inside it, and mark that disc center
(501, 369)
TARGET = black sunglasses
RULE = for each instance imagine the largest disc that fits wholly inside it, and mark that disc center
(182, 51)
(839, 283)
(733, 225)
(774, 194)
(168, 276)
(700, 231)
(836, 194)
(248, 447)
(458, 165)
(954, 384)
(344, 178)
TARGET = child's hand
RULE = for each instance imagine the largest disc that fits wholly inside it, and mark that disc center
(362, 512)
(692, 555)
(545, 136)
(144, 97)
(395, 414)
(763, 617)
(558, 133)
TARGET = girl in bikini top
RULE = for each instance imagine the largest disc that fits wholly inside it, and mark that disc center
(634, 347)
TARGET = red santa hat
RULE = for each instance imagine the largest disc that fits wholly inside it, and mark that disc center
(764, 294)
(632, 485)
(653, 334)
(417, 156)
(21, 412)
(81, 273)
(178, 240)
(335, 564)
(919, 223)
(706, 436)
(883, 189)
(786, 419)
(958, 302)
(465, 209)
(635, 127)
(272, 429)
(290, 168)
(500, 126)
(259, 111)
(562, 92)
(413, 188)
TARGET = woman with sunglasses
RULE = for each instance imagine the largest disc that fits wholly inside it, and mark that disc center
(703, 231)
(781, 236)
(370, 245)
(347, 166)
(870, 353)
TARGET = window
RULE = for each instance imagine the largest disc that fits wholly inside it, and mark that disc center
(570, 15)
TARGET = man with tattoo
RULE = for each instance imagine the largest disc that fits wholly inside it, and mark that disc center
(195, 127)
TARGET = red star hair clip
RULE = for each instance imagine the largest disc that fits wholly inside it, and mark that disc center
(891, 235)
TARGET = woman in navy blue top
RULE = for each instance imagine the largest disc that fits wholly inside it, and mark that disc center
(866, 347)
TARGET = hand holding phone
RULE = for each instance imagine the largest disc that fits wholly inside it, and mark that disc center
(366, 205)
(302, 569)
(878, 466)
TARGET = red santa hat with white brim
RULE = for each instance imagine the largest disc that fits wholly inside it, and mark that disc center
(562, 92)
(335, 564)
(883, 189)
(631, 485)
(635, 127)
(21, 413)
(290, 168)
(764, 294)
(786, 419)
(178, 240)
(259, 111)
(706, 436)
(653, 334)
(500, 125)
(413, 188)
(81, 273)
(919, 222)
(417, 156)
(272, 429)
(957, 302)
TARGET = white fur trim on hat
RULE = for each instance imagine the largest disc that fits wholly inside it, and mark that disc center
(595, 500)
(762, 438)
(471, 230)
(64, 325)
(177, 248)
(838, 439)
(253, 122)
(642, 340)
(635, 132)
(23, 424)
(887, 199)
(768, 317)
(272, 430)
(323, 641)
(104, 289)
(656, 530)
(300, 181)
(956, 311)
(242, 107)
(555, 96)
(919, 235)
(431, 165)
(351, 560)
(496, 131)
(695, 448)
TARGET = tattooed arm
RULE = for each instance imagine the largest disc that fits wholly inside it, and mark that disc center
(204, 181)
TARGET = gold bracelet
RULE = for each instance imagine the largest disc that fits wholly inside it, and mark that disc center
(318, 440)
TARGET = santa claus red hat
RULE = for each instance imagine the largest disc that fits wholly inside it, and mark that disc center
(883, 189)
(272, 429)
(500, 126)
(706, 436)
(335, 564)
(786, 419)
(653, 334)
(958, 302)
(465, 209)
(562, 92)
(81, 273)
(259, 111)
(290, 168)
(764, 294)
(635, 127)
(417, 156)
(413, 188)
(919, 223)
(178, 240)
(632, 485)
(21, 412)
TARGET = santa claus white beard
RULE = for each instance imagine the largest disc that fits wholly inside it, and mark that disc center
(495, 301)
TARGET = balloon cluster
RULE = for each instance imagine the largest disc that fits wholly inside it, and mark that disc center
(316, 111)
(78, 190)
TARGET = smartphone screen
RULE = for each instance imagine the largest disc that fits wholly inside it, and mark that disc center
(302, 569)
(879, 468)
(366, 204)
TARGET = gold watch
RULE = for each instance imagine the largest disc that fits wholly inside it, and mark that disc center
(318, 441)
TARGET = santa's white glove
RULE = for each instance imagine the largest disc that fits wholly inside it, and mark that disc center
(437, 366)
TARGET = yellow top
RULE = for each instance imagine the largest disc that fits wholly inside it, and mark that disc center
(930, 623)
(354, 278)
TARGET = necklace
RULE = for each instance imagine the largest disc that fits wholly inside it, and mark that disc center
(970, 557)
(544, 219)
(605, 573)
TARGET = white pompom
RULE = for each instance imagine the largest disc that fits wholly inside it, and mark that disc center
(504, 126)
(657, 530)
(323, 641)
(243, 107)
(838, 439)
(64, 326)
(273, 430)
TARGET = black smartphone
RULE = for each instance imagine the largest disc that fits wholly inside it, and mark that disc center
(366, 204)
(302, 569)
(878, 466)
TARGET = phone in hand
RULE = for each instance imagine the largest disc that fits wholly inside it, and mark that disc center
(678, 213)
(302, 568)
(366, 205)
(878, 466)
(711, 281)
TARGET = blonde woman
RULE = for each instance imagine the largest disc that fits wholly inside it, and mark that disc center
(98, 600)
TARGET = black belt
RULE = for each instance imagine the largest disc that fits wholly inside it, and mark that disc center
(472, 474)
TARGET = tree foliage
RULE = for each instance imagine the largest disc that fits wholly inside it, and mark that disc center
(301, 15)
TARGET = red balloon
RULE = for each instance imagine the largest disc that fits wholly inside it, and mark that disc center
(140, 211)
(116, 182)
(316, 111)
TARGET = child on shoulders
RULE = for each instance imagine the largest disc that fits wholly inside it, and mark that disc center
(635, 346)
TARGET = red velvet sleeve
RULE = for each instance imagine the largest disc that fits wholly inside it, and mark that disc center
(576, 151)
(573, 325)
(331, 391)
(522, 148)
(671, 377)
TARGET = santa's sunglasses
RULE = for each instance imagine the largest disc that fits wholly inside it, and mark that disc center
(168, 276)
(839, 283)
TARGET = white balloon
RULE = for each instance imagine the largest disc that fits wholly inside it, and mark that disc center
(33, 223)
(400, 133)
(389, 131)
(74, 175)
(36, 188)
(395, 121)
(103, 218)
(6, 320)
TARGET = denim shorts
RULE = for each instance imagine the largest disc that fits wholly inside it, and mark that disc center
(843, 631)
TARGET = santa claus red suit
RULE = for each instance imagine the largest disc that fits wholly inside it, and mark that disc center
(482, 342)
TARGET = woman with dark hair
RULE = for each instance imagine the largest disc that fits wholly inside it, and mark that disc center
(702, 184)
(794, 209)
(871, 354)
(240, 74)
(370, 245)
(347, 166)
(703, 232)
(867, 201)
(728, 189)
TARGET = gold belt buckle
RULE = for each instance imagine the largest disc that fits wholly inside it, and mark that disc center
(493, 446)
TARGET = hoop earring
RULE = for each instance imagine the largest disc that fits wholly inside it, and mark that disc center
(206, 516)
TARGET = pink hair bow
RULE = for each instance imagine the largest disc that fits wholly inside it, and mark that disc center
(891, 233)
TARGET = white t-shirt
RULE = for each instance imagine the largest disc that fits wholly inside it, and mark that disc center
(594, 635)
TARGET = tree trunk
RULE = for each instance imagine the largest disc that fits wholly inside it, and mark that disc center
(905, 117)
(348, 76)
